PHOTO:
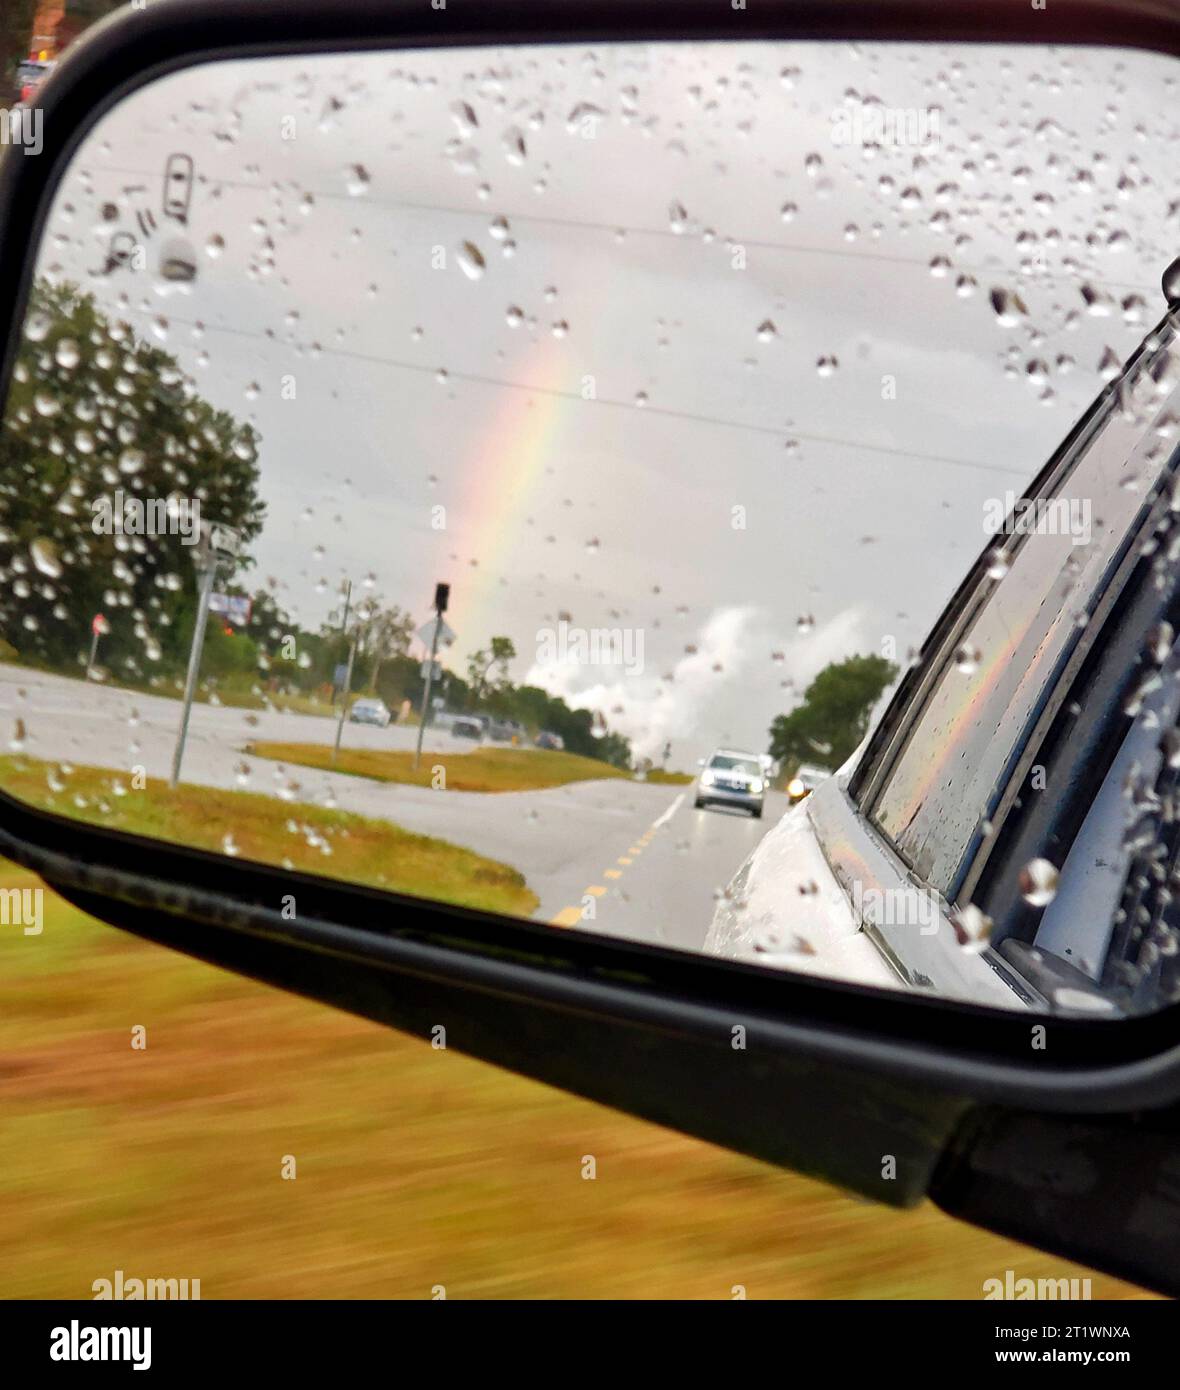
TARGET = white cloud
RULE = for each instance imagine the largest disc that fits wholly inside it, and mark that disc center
(726, 690)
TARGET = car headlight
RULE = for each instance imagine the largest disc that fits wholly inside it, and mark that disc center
(795, 787)
(706, 778)
(756, 787)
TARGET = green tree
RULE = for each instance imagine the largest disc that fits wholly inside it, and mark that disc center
(87, 12)
(385, 633)
(400, 678)
(95, 412)
(481, 665)
(834, 714)
(227, 652)
(615, 749)
(16, 33)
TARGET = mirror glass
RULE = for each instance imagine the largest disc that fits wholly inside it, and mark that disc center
(605, 486)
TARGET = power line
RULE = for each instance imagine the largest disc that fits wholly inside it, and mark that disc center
(571, 223)
(665, 412)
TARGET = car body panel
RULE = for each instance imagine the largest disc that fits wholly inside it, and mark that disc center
(785, 910)
(825, 894)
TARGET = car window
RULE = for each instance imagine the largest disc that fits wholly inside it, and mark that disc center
(725, 764)
(1051, 565)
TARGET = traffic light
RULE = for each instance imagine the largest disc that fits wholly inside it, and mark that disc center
(442, 594)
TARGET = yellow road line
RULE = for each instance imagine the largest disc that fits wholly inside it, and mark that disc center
(567, 917)
(612, 873)
(596, 890)
(622, 859)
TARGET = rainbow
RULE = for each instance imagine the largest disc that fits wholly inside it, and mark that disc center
(499, 485)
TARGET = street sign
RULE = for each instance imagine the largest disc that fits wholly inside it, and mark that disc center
(99, 626)
(435, 675)
(425, 634)
(340, 675)
(218, 544)
(237, 608)
(224, 540)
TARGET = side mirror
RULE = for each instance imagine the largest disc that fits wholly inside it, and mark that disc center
(560, 385)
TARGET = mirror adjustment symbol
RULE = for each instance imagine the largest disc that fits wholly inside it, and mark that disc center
(178, 187)
(120, 251)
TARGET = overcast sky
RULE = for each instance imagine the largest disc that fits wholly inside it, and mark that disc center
(590, 457)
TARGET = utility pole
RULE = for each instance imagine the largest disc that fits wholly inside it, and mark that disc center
(442, 594)
(217, 542)
(194, 664)
(348, 674)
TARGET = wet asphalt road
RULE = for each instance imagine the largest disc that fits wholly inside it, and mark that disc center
(620, 857)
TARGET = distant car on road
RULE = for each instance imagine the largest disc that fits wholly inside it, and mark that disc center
(732, 779)
(554, 742)
(370, 712)
(805, 781)
(506, 731)
(467, 728)
(30, 76)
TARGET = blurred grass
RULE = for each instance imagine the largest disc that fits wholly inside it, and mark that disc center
(314, 839)
(416, 1167)
(482, 770)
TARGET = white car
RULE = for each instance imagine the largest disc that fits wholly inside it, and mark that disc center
(31, 76)
(370, 712)
(732, 778)
(805, 781)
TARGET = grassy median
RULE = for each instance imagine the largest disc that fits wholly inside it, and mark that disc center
(481, 770)
(315, 839)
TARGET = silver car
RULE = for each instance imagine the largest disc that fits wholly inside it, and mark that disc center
(732, 779)
(370, 712)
